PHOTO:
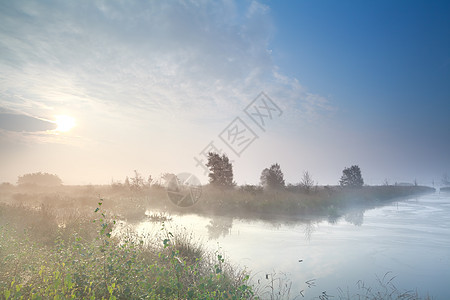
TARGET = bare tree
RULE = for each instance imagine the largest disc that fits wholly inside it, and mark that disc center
(445, 180)
(306, 183)
(149, 181)
(137, 182)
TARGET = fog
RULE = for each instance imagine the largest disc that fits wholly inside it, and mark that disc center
(297, 240)
(217, 150)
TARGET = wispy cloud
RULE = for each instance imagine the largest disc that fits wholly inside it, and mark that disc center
(187, 57)
(24, 123)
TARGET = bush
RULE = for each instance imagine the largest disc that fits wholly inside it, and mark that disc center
(42, 179)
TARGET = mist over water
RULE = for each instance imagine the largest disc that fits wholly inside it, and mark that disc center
(408, 240)
(145, 145)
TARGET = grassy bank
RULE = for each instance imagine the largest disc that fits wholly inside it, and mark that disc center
(238, 202)
(317, 203)
(50, 246)
(41, 259)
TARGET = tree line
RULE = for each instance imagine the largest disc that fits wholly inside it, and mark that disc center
(221, 175)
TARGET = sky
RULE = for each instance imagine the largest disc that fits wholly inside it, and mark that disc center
(93, 90)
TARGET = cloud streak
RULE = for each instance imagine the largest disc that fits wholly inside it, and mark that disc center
(142, 79)
(23, 123)
(191, 58)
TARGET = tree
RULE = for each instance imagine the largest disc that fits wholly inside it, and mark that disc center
(351, 177)
(273, 177)
(43, 179)
(445, 181)
(306, 183)
(137, 182)
(221, 170)
(126, 183)
(149, 181)
(166, 178)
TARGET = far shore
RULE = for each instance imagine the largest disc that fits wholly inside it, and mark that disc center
(320, 202)
(445, 189)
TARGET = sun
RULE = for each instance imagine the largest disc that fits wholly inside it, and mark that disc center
(64, 123)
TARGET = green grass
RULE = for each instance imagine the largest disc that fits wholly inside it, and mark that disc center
(51, 248)
(68, 265)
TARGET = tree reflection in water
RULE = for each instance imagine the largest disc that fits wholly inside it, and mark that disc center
(219, 227)
(355, 217)
(309, 229)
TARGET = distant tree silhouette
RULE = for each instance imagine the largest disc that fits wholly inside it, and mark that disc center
(164, 179)
(137, 182)
(149, 181)
(445, 181)
(306, 183)
(351, 177)
(126, 183)
(173, 183)
(273, 177)
(221, 170)
(43, 179)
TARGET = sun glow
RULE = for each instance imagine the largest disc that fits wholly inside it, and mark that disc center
(64, 123)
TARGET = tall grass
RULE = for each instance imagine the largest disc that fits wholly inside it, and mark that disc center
(51, 248)
(386, 290)
(105, 267)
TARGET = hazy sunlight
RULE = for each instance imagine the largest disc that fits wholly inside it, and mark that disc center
(64, 123)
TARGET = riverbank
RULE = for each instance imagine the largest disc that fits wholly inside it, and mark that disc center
(320, 202)
(50, 246)
(238, 202)
(80, 259)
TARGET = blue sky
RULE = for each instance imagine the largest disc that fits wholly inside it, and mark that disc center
(151, 84)
(370, 54)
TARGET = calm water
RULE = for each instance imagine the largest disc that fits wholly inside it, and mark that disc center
(410, 239)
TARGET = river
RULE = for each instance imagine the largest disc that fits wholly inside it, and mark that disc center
(408, 240)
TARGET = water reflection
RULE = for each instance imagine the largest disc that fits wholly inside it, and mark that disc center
(219, 227)
(355, 217)
(309, 229)
(337, 249)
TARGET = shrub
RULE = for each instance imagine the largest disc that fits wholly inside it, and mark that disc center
(42, 179)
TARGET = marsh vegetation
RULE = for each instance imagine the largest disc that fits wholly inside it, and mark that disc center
(59, 242)
(42, 258)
